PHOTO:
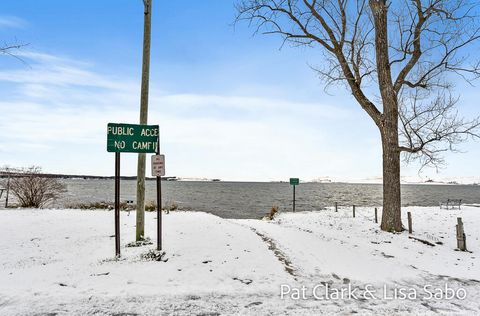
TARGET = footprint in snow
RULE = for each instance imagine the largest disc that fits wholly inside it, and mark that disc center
(253, 304)
(244, 281)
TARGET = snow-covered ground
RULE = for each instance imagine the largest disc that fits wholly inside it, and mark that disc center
(56, 262)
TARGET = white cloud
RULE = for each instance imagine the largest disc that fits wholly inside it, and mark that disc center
(251, 105)
(55, 71)
(55, 115)
(12, 22)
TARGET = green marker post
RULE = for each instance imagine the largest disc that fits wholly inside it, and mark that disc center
(294, 182)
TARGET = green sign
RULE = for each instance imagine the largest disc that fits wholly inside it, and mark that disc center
(294, 181)
(132, 138)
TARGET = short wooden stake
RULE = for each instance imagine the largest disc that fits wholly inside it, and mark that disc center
(461, 239)
(336, 207)
(376, 216)
(410, 230)
(354, 211)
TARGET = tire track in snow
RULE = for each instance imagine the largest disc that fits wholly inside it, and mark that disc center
(280, 255)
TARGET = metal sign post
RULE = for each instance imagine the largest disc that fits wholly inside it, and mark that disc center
(294, 198)
(294, 182)
(134, 139)
(159, 213)
(117, 204)
(158, 170)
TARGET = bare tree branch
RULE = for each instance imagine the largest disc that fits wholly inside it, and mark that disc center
(12, 50)
(327, 24)
(403, 50)
(31, 187)
(401, 54)
(431, 127)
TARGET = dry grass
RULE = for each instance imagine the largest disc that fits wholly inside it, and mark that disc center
(272, 213)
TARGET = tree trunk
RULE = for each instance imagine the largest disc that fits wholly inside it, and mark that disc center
(391, 215)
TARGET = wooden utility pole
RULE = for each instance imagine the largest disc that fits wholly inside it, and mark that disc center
(143, 118)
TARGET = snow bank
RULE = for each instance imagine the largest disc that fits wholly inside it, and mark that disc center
(61, 261)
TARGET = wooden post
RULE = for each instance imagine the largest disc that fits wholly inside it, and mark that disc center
(461, 239)
(376, 216)
(140, 234)
(336, 207)
(8, 189)
(354, 211)
(409, 222)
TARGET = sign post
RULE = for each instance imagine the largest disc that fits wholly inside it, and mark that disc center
(117, 204)
(8, 190)
(159, 213)
(294, 182)
(158, 170)
(128, 138)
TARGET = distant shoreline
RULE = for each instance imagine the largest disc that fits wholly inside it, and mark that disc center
(174, 178)
(88, 177)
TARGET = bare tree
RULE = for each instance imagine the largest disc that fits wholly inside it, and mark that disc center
(12, 50)
(398, 59)
(32, 188)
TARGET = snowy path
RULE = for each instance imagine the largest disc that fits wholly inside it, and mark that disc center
(338, 249)
(59, 262)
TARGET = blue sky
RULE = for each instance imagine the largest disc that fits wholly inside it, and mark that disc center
(230, 105)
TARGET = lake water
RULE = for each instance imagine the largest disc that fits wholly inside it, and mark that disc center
(255, 199)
